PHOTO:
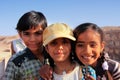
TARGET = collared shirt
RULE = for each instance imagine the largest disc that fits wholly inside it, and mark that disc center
(23, 66)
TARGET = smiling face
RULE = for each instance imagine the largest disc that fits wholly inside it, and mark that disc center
(88, 47)
(59, 49)
(33, 38)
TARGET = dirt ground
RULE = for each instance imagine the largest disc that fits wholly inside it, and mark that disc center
(4, 57)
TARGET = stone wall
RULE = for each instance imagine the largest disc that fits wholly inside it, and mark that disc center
(112, 39)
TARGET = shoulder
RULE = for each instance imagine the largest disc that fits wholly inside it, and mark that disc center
(113, 64)
(114, 68)
(16, 58)
(19, 58)
(16, 40)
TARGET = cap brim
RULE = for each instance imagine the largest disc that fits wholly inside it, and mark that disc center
(55, 36)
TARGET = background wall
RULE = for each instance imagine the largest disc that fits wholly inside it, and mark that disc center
(112, 39)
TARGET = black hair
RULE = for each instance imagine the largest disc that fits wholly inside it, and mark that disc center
(83, 27)
(31, 20)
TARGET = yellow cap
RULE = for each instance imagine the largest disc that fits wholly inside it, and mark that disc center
(57, 30)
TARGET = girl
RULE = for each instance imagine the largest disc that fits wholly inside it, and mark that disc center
(89, 49)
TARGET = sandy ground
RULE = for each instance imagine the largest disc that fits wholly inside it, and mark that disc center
(4, 57)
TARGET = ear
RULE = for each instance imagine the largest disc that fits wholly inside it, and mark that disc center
(20, 34)
(102, 45)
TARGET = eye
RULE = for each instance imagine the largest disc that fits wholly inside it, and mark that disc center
(93, 45)
(26, 33)
(53, 43)
(66, 41)
(80, 44)
(38, 33)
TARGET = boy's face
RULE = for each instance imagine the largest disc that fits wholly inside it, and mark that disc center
(88, 47)
(33, 38)
(59, 49)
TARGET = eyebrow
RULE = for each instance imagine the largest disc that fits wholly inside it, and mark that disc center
(80, 42)
(84, 42)
(35, 31)
(39, 31)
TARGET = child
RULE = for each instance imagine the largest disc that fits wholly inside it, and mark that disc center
(26, 64)
(17, 45)
(89, 48)
(58, 39)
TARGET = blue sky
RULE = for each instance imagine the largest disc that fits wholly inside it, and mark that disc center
(72, 12)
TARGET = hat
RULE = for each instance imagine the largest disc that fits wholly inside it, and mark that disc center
(57, 30)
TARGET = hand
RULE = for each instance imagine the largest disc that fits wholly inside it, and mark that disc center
(46, 72)
(88, 77)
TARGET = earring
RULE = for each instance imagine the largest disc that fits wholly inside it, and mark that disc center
(72, 56)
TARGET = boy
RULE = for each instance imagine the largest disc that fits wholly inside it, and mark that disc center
(26, 64)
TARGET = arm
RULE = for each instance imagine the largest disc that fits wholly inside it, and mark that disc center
(116, 73)
(10, 71)
(46, 72)
(114, 68)
(12, 49)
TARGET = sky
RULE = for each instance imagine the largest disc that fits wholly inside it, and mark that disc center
(72, 12)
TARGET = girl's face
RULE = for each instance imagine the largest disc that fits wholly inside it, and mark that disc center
(59, 49)
(88, 47)
(33, 38)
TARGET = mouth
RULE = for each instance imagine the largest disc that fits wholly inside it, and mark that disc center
(59, 52)
(32, 45)
(88, 58)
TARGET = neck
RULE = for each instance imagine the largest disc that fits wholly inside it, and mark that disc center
(38, 51)
(62, 68)
(39, 54)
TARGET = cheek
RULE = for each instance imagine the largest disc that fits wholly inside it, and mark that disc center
(40, 36)
(98, 52)
(25, 40)
(39, 39)
(77, 51)
(48, 49)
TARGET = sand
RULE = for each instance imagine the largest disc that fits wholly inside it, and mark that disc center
(4, 57)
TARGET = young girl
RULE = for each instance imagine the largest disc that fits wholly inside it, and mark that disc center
(58, 39)
(89, 48)
(25, 64)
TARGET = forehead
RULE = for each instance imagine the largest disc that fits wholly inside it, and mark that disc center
(35, 29)
(61, 38)
(89, 35)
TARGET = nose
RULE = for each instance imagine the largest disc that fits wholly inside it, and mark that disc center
(88, 49)
(60, 46)
(32, 38)
(60, 50)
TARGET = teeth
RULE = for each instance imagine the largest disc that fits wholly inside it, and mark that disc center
(86, 57)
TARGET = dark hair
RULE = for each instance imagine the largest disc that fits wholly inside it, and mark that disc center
(83, 27)
(31, 20)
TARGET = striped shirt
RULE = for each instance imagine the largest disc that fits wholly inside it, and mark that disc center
(114, 69)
